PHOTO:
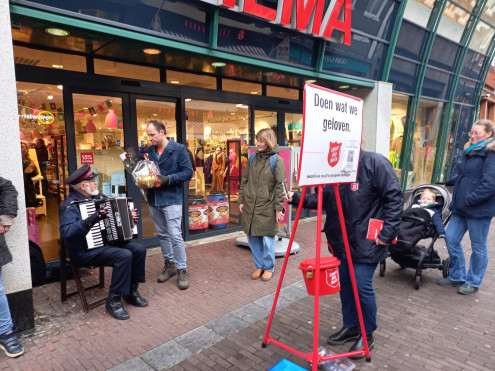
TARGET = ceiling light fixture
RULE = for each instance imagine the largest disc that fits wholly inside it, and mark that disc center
(344, 87)
(57, 66)
(152, 51)
(50, 97)
(218, 64)
(241, 106)
(310, 81)
(174, 82)
(61, 87)
(57, 31)
(188, 99)
(254, 92)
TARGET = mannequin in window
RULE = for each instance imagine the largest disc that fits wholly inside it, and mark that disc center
(217, 169)
(233, 171)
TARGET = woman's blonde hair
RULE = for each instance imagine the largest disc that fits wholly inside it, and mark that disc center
(488, 125)
(267, 135)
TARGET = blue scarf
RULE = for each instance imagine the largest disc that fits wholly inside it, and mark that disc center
(478, 146)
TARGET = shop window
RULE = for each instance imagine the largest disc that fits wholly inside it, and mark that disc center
(42, 132)
(465, 91)
(241, 87)
(397, 125)
(42, 58)
(419, 11)
(126, 70)
(488, 14)
(293, 129)
(191, 79)
(426, 130)
(217, 138)
(276, 91)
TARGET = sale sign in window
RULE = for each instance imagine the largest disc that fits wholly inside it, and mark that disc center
(87, 158)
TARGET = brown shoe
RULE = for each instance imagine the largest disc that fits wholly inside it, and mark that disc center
(267, 276)
(169, 270)
(257, 274)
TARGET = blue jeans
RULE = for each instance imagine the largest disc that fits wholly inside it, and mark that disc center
(167, 221)
(478, 234)
(364, 281)
(263, 248)
(5, 318)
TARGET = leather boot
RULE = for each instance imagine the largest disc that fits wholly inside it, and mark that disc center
(182, 280)
(344, 335)
(134, 298)
(169, 270)
(359, 344)
(114, 307)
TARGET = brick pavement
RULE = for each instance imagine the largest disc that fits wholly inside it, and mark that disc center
(209, 326)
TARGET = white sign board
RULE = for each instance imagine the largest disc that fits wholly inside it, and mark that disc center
(331, 141)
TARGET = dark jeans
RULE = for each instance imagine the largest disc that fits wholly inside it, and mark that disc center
(128, 265)
(364, 281)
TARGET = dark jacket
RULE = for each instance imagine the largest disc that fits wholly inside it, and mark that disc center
(29, 188)
(174, 162)
(474, 184)
(74, 230)
(8, 206)
(261, 194)
(378, 195)
(42, 153)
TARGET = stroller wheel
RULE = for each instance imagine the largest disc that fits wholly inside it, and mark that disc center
(383, 266)
(445, 268)
(418, 281)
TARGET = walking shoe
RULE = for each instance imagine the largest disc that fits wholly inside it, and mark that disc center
(135, 299)
(169, 270)
(257, 274)
(447, 282)
(344, 335)
(359, 344)
(182, 281)
(267, 276)
(11, 345)
(466, 289)
(115, 309)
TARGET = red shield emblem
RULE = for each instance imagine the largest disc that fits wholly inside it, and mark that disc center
(354, 186)
(332, 277)
(334, 153)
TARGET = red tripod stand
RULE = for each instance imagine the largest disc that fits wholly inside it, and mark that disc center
(314, 357)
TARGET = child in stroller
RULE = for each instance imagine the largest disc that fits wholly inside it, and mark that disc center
(421, 221)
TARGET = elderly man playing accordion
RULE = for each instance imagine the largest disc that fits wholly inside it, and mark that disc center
(127, 260)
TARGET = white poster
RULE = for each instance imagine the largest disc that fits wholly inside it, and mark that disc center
(331, 141)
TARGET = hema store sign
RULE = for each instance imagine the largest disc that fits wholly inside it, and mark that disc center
(307, 16)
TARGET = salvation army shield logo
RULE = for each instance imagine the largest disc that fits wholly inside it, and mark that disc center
(332, 278)
(334, 153)
(354, 186)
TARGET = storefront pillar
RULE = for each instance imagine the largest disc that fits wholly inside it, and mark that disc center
(376, 119)
(16, 275)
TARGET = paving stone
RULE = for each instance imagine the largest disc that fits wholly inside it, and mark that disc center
(166, 355)
(227, 325)
(135, 364)
(198, 339)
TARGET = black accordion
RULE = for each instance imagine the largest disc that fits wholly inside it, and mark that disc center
(114, 230)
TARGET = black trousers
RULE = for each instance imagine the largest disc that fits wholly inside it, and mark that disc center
(128, 263)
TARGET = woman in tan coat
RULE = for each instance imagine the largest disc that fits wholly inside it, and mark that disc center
(261, 199)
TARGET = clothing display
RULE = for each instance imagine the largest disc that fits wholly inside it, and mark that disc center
(217, 169)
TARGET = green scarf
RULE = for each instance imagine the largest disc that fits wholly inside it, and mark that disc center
(478, 146)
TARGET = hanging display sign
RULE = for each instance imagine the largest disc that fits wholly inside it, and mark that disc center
(307, 16)
(331, 137)
(87, 158)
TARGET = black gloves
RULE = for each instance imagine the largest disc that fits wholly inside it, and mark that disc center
(162, 180)
(96, 217)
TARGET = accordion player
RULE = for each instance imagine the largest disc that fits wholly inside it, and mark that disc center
(114, 230)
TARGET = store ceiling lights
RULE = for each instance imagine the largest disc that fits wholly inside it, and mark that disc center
(218, 64)
(241, 106)
(174, 82)
(57, 31)
(344, 87)
(311, 81)
(59, 66)
(61, 87)
(151, 51)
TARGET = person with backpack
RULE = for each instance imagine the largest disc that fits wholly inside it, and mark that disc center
(261, 202)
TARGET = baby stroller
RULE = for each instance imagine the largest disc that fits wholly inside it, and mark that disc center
(417, 225)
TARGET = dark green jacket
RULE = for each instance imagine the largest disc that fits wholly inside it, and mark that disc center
(262, 194)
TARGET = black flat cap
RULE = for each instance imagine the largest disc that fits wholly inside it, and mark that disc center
(83, 173)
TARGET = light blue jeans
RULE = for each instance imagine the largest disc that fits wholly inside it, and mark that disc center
(263, 248)
(5, 318)
(478, 234)
(167, 221)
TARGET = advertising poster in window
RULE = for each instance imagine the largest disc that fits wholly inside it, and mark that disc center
(331, 138)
